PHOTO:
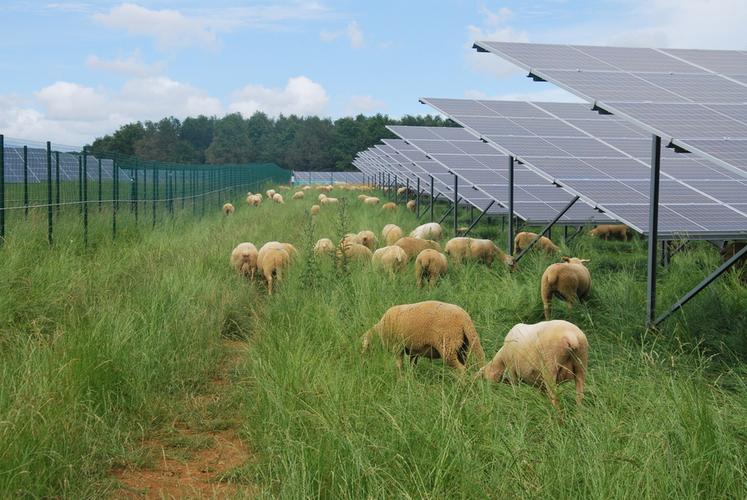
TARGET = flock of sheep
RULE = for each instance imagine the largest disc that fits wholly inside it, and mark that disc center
(543, 354)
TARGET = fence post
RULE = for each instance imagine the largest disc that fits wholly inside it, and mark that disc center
(80, 184)
(135, 192)
(57, 179)
(184, 175)
(49, 192)
(155, 193)
(99, 165)
(26, 181)
(2, 189)
(115, 197)
(85, 197)
(202, 190)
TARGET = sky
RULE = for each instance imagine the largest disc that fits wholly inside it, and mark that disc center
(74, 71)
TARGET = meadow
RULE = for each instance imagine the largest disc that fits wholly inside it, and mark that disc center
(100, 347)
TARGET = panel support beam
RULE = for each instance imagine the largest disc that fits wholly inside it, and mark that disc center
(433, 200)
(452, 207)
(417, 200)
(475, 221)
(701, 286)
(547, 228)
(456, 207)
(653, 230)
(510, 245)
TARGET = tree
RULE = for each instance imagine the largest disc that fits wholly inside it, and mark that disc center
(231, 141)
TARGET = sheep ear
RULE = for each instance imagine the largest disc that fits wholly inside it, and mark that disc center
(565, 258)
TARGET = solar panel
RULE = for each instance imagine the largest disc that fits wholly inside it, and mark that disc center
(536, 200)
(36, 166)
(613, 174)
(684, 96)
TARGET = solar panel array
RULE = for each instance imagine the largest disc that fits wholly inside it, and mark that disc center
(605, 160)
(420, 166)
(695, 98)
(314, 177)
(536, 200)
(36, 166)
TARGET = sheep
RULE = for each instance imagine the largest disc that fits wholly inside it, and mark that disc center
(525, 238)
(411, 205)
(371, 200)
(228, 208)
(306, 188)
(430, 231)
(355, 252)
(544, 354)
(484, 251)
(362, 197)
(430, 264)
(321, 197)
(259, 196)
(270, 193)
(431, 329)
(413, 246)
(292, 252)
(391, 233)
(285, 188)
(298, 195)
(349, 239)
(390, 207)
(278, 198)
(244, 259)
(390, 257)
(314, 209)
(368, 239)
(256, 200)
(401, 190)
(329, 201)
(607, 230)
(569, 279)
(324, 246)
(249, 193)
(272, 259)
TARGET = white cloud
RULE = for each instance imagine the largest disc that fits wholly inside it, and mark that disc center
(131, 65)
(352, 32)
(68, 101)
(497, 29)
(170, 28)
(363, 104)
(300, 96)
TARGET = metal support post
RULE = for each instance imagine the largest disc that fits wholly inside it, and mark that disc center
(85, 197)
(475, 221)
(456, 200)
(49, 192)
(510, 245)
(25, 181)
(417, 201)
(653, 230)
(547, 228)
(452, 207)
(433, 200)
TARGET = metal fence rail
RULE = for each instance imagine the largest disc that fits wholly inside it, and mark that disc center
(67, 186)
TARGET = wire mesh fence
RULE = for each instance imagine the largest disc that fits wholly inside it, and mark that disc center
(72, 189)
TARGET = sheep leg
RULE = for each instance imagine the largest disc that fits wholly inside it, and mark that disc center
(432, 280)
(452, 360)
(420, 280)
(400, 360)
(269, 284)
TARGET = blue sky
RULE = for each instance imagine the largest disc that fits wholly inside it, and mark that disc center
(77, 70)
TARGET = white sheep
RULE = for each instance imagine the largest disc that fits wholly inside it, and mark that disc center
(324, 246)
(278, 198)
(392, 258)
(544, 354)
(270, 193)
(413, 246)
(569, 279)
(329, 201)
(298, 195)
(391, 233)
(430, 231)
(228, 209)
(272, 260)
(411, 205)
(484, 251)
(430, 264)
(431, 329)
(244, 259)
(368, 239)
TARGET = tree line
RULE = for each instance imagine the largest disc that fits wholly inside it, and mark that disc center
(293, 142)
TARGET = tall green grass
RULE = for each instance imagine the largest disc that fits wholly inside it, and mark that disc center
(98, 346)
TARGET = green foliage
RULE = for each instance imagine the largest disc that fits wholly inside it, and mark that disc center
(299, 143)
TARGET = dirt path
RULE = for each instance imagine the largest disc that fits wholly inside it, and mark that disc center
(197, 453)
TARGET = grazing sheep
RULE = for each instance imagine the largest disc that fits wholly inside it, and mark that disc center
(362, 197)
(271, 261)
(544, 354)
(430, 264)
(349, 239)
(367, 239)
(292, 252)
(525, 238)
(314, 209)
(321, 196)
(228, 209)
(401, 190)
(413, 246)
(256, 200)
(298, 195)
(431, 329)
(411, 205)
(371, 200)
(430, 231)
(484, 251)
(391, 233)
(270, 193)
(355, 252)
(569, 279)
(390, 207)
(259, 196)
(278, 198)
(244, 259)
(390, 257)
(329, 201)
(249, 193)
(607, 230)
(324, 246)
(306, 188)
